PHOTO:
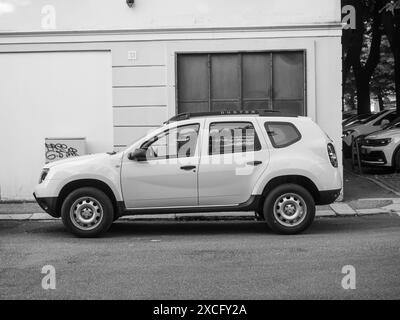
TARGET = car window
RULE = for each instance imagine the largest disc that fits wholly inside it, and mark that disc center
(177, 142)
(372, 117)
(394, 125)
(390, 117)
(232, 137)
(282, 134)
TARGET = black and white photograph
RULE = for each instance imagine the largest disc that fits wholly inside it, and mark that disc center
(204, 157)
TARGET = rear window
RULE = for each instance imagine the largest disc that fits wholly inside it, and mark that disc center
(282, 134)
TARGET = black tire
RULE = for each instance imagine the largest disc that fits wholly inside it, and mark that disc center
(96, 201)
(347, 151)
(396, 159)
(293, 197)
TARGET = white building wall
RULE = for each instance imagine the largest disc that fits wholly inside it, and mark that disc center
(33, 15)
(51, 94)
(143, 89)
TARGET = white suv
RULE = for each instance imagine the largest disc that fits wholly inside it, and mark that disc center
(278, 166)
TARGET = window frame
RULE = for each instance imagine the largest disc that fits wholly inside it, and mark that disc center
(270, 100)
(267, 123)
(247, 122)
(177, 128)
(378, 122)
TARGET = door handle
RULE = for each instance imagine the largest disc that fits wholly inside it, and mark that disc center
(254, 163)
(187, 168)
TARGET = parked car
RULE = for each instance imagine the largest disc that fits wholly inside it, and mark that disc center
(355, 119)
(348, 114)
(278, 166)
(382, 148)
(374, 123)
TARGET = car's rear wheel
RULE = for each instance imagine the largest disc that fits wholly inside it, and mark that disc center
(289, 209)
(87, 212)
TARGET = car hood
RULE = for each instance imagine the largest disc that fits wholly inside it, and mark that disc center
(80, 159)
(352, 127)
(391, 133)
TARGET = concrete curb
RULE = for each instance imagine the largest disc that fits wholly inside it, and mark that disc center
(336, 210)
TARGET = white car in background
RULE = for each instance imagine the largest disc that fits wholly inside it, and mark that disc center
(374, 123)
(382, 148)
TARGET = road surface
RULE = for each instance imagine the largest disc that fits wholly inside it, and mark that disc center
(203, 260)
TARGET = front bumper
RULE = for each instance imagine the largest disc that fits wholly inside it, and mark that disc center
(373, 156)
(49, 205)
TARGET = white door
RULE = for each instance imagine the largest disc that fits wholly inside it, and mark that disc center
(168, 176)
(232, 160)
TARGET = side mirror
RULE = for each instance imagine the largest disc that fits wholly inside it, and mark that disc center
(384, 123)
(138, 155)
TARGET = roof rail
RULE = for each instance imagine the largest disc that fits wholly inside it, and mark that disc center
(189, 115)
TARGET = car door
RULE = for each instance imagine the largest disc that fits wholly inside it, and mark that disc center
(234, 154)
(168, 176)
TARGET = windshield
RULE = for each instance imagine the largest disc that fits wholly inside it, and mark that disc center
(394, 124)
(372, 117)
(356, 119)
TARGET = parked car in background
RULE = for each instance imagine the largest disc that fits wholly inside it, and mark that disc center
(355, 119)
(382, 148)
(373, 123)
(349, 114)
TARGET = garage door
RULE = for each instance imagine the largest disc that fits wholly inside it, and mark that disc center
(51, 94)
(242, 81)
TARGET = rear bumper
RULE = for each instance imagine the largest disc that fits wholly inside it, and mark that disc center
(328, 197)
(49, 205)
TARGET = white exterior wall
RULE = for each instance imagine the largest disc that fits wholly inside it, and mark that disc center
(55, 94)
(154, 14)
(143, 90)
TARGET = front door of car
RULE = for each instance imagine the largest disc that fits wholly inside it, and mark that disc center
(167, 177)
(234, 154)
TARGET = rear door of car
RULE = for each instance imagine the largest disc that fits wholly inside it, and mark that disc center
(233, 156)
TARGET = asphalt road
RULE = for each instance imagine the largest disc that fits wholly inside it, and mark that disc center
(203, 260)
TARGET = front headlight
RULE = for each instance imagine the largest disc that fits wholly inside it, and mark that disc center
(377, 142)
(43, 175)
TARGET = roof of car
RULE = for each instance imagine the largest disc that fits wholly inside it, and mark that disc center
(260, 113)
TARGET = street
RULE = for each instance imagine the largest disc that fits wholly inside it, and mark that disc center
(203, 260)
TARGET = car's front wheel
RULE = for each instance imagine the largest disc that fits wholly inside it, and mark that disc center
(87, 212)
(289, 209)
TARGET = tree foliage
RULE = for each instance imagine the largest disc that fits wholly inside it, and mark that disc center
(371, 53)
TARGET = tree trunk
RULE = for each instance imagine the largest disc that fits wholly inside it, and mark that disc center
(391, 25)
(397, 78)
(380, 100)
(353, 100)
(363, 72)
(363, 95)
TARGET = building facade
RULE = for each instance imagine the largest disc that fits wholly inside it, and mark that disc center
(108, 72)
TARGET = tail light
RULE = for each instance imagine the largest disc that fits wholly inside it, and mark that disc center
(332, 155)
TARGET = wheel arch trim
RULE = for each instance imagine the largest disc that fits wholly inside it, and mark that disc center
(90, 182)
